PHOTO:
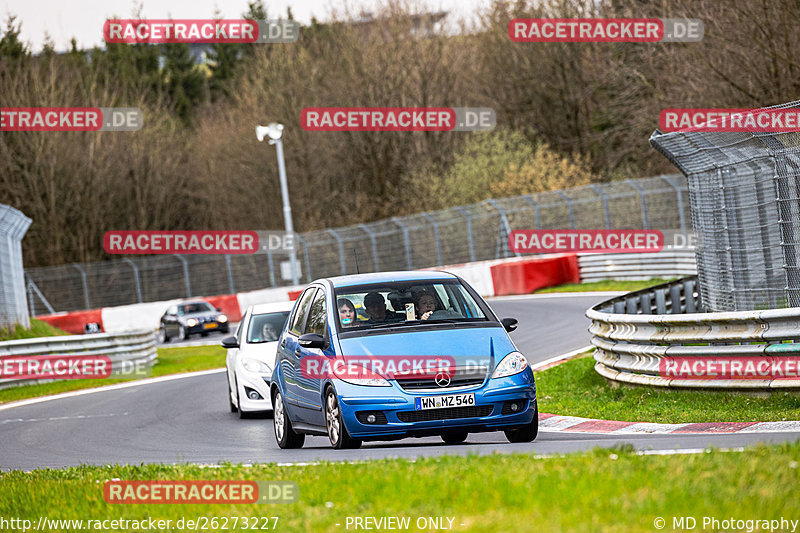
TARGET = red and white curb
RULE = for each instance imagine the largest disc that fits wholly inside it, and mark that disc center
(576, 424)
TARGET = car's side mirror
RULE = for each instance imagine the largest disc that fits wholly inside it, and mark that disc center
(311, 340)
(230, 342)
(510, 324)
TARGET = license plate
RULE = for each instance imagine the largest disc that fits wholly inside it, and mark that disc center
(440, 402)
(210, 325)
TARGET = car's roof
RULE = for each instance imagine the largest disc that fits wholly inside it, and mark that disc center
(272, 307)
(190, 302)
(385, 277)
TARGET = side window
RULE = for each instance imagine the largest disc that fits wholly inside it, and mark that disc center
(317, 315)
(240, 329)
(301, 310)
(173, 310)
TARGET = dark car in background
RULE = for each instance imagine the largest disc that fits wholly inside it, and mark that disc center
(189, 318)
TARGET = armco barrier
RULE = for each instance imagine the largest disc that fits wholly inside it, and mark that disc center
(634, 332)
(133, 347)
(669, 263)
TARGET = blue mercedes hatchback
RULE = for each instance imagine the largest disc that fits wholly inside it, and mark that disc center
(391, 355)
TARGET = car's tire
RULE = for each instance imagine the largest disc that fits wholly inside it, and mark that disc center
(204, 334)
(182, 333)
(284, 433)
(163, 338)
(233, 406)
(242, 414)
(337, 432)
(455, 438)
(526, 433)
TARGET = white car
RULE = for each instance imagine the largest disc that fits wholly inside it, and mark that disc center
(251, 357)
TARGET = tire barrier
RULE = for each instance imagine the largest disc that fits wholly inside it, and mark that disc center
(637, 333)
(125, 350)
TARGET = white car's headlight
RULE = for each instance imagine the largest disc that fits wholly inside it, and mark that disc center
(192, 322)
(222, 318)
(254, 365)
(513, 363)
(374, 381)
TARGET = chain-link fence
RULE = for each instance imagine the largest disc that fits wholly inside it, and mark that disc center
(450, 236)
(13, 307)
(745, 203)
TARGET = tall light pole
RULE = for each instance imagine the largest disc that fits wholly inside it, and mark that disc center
(275, 131)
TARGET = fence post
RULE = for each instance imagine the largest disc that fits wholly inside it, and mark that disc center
(537, 223)
(604, 197)
(271, 266)
(469, 232)
(679, 194)
(405, 238)
(435, 237)
(342, 263)
(185, 275)
(371, 234)
(305, 253)
(135, 278)
(568, 201)
(33, 288)
(643, 196)
(230, 274)
(504, 221)
(85, 285)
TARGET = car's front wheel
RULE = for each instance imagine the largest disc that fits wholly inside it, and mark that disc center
(182, 333)
(526, 433)
(284, 433)
(337, 432)
(163, 338)
(454, 438)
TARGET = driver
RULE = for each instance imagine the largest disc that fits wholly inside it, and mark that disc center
(375, 306)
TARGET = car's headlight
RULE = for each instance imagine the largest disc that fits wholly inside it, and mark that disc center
(254, 365)
(222, 318)
(374, 381)
(192, 322)
(513, 363)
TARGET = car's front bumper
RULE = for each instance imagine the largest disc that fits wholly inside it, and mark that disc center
(392, 405)
(257, 382)
(200, 328)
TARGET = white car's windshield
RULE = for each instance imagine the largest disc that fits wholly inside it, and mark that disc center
(266, 327)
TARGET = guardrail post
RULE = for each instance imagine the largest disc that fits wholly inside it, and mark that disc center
(185, 275)
(536, 220)
(85, 285)
(342, 263)
(679, 194)
(435, 237)
(371, 234)
(502, 243)
(643, 196)
(407, 243)
(568, 201)
(135, 278)
(604, 198)
(466, 215)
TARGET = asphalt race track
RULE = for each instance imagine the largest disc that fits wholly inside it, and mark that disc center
(187, 420)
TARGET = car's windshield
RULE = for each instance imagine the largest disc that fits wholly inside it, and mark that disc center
(266, 327)
(405, 303)
(195, 307)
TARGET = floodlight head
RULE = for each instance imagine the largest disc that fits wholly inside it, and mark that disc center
(261, 132)
(275, 131)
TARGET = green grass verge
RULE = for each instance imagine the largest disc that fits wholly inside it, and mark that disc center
(170, 361)
(603, 285)
(38, 329)
(574, 388)
(604, 490)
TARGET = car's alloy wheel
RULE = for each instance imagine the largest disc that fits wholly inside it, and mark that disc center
(284, 433)
(162, 335)
(182, 333)
(337, 432)
(526, 433)
(454, 438)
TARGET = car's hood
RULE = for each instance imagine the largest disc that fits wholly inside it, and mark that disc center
(465, 345)
(264, 352)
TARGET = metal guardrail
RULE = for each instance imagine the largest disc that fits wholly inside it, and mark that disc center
(665, 264)
(634, 332)
(137, 347)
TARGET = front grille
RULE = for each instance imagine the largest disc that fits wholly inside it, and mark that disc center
(462, 377)
(445, 414)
